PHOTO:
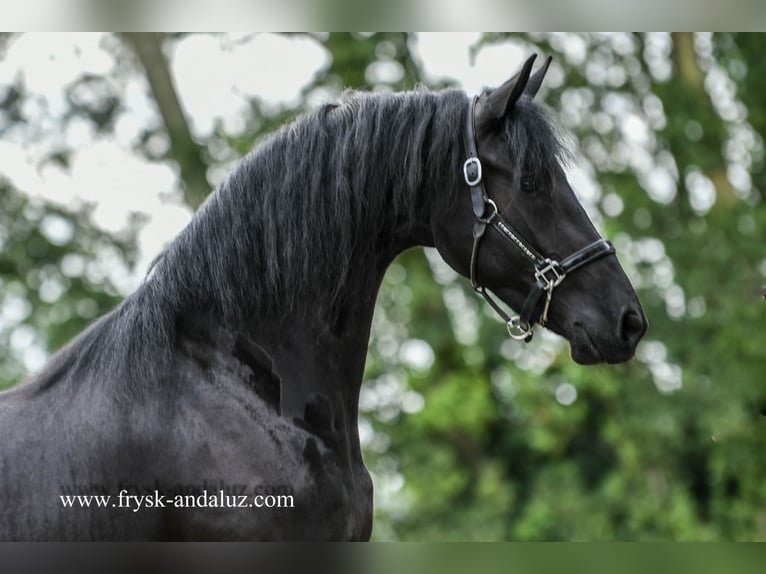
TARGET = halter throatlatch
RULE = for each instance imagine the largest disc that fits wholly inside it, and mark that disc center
(549, 273)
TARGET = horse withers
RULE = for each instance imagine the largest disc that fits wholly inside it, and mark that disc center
(219, 401)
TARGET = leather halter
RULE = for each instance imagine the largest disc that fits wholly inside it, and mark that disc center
(549, 273)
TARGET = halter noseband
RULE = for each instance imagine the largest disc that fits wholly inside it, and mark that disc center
(549, 273)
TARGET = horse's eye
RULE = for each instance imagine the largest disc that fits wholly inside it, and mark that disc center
(527, 183)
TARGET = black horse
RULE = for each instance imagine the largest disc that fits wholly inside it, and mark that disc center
(219, 401)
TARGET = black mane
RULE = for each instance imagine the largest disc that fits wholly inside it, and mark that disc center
(287, 222)
(286, 225)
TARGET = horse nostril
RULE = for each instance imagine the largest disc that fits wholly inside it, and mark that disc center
(632, 326)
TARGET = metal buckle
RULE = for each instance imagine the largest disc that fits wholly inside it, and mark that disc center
(551, 266)
(471, 161)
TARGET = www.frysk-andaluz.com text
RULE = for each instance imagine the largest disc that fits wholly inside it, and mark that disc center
(156, 499)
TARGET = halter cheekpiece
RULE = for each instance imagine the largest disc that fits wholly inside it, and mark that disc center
(548, 274)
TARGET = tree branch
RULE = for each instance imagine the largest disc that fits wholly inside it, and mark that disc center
(685, 56)
(685, 59)
(184, 150)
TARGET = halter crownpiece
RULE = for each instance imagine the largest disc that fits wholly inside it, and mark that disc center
(549, 273)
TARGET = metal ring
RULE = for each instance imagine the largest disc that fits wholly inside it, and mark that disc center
(517, 331)
(492, 215)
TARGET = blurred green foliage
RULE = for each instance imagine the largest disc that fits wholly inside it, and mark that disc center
(51, 284)
(471, 436)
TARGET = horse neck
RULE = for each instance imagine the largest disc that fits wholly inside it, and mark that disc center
(309, 300)
(330, 337)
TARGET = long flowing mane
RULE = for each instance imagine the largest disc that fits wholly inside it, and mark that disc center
(285, 225)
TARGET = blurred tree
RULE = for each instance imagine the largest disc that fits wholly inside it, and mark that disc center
(52, 279)
(50, 283)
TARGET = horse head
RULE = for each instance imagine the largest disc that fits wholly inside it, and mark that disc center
(519, 231)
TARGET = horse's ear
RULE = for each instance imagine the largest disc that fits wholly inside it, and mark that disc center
(537, 78)
(502, 99)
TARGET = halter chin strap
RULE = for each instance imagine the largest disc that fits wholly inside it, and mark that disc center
(549, 273)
